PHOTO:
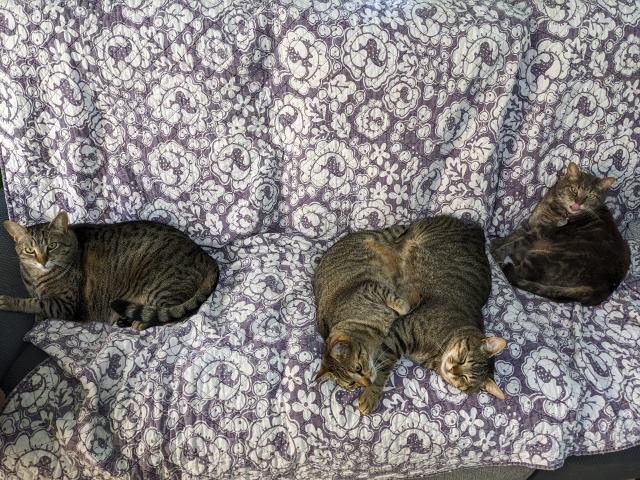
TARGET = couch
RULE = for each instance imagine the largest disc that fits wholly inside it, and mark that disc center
(266, 131)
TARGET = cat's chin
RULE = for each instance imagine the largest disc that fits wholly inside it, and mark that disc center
(44, 268)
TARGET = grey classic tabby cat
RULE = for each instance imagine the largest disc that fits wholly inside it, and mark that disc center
(134, 273)
(570, 249)
(436, 269)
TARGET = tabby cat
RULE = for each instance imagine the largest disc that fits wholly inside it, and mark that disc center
(570, 249)
(135, 274)
(437, 271)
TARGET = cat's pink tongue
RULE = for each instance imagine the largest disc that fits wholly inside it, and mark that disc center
(575, 206)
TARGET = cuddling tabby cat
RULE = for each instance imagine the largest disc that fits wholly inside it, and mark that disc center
(135, 274)
(416, 291)
(570, 249)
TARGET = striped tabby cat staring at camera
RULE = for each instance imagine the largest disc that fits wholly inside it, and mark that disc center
(137, 274)
(570, 249)
(437, 271)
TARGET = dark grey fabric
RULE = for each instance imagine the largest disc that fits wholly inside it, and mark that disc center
(28, 359)
(484, 473)
(610, 466)
(13, 326)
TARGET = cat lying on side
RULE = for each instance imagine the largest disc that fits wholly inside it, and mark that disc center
(136, 274)
(570, 249)
(415, 291)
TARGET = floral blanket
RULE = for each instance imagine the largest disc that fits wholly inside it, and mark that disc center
(266, 130)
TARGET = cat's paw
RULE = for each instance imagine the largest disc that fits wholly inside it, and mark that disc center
(139, 325)
(500, 249)
(400, 305)
(123, 322)
(369, 400)
(5, 302)
(509, 270)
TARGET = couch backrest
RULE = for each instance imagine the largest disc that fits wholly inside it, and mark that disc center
(228, 119)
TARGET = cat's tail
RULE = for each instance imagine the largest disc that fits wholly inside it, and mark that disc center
(142, 316)
(583, 294)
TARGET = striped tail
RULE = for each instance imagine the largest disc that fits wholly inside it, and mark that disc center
(142, 316)
(583, 294)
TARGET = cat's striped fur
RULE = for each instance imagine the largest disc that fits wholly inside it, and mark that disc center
(570, 249)
(436, 266)
(356, 296)
(134, 273)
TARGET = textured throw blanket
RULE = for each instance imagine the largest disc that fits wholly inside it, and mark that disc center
(266, 130)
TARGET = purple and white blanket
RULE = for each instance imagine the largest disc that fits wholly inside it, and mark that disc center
(266, 130)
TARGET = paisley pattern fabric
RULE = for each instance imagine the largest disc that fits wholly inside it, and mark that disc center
(266, 130)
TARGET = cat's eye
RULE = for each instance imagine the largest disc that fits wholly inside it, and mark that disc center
(359, 369)
(29, 251)
(573, 190)
(53, 245)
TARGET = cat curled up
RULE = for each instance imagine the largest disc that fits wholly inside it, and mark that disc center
(414, 291)
(137, 274)
(570, 249)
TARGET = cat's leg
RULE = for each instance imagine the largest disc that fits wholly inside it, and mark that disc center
(509, 249)
(370, 398)
(375, 300)
(43, 308)
(501, 248)
(390, 297)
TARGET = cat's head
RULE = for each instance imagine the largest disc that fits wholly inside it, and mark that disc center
(467, 363)
(348, 361)
(578, 192)
(44, 246)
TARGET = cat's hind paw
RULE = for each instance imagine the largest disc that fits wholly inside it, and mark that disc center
(400, 305)
(509, 270)
(123, 322)
(140, 325)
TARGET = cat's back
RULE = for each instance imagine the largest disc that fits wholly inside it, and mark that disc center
(135, 229)
(356, 251)
(134, 241)
(445, 260)
(141, 233)
(596, 239)
(356, 258)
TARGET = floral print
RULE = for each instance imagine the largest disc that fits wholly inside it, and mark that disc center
(267, 130)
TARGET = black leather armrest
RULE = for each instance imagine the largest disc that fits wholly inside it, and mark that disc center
(13, 326)
(610, 466)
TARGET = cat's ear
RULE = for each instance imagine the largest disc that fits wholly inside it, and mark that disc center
(493, 345)
(17, 231)
(606, 182)
(573, 172)
(492, 387)
(321, 372)
(61, 222)
(340, 350)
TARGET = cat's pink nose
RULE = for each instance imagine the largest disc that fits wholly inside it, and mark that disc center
(575, 206)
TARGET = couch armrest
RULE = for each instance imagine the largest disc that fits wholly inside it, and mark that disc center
(13, 326)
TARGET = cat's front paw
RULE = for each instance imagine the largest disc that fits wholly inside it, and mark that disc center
(500, 249)
(5, 302)
(369, 400)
